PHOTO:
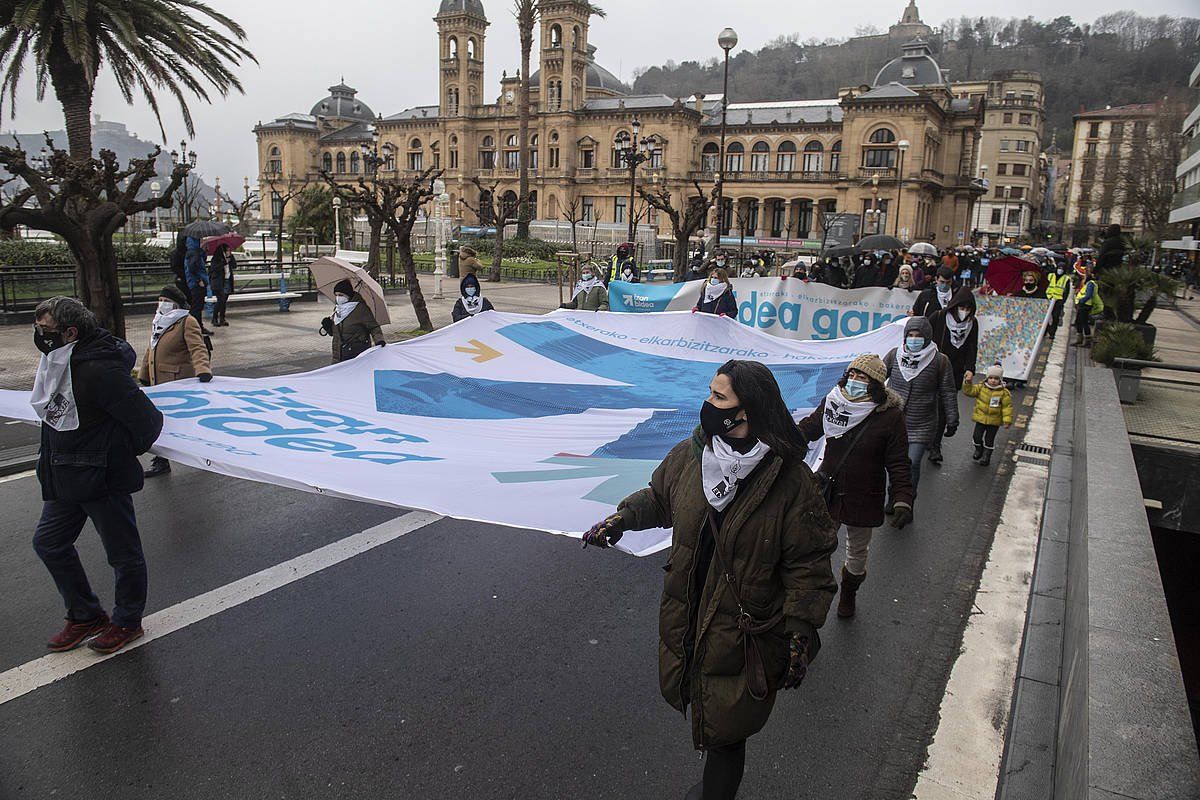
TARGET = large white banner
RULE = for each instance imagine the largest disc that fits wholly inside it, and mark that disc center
(1010, 327)
(536, 422)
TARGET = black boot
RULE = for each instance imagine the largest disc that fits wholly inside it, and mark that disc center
(158, 466)
(935, 454)
(987, 457)
(978, 452)
(849, 594)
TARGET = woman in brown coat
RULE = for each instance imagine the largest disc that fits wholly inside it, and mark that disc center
(176, 351)
(748, 581)
(866, 443)
(468, 262)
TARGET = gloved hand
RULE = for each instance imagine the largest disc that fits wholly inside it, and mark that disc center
(205, 377)
(606, 533)
(380, 343)
(902, 515)
(694, 310)
(951, 430)
(327, 326)
(798, 661)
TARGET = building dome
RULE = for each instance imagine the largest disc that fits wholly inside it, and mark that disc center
(915, 67)
(473, 8)
(597, 76)
(341, 104)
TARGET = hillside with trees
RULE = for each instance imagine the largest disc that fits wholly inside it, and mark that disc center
(1117, 59)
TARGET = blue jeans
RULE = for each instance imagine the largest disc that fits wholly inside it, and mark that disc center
(916, 454)
(54, 542)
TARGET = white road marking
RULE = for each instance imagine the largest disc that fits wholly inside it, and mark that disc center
(43, 671)
(18, 475)
(15, 422)
(964, 758)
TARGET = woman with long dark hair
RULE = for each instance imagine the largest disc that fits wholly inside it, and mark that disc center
(716, 296)
(749, 580)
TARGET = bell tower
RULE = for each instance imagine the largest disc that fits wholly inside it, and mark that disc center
(564, 53)
(462, 28)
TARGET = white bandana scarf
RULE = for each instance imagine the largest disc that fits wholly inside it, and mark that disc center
(342, 310)
(842, 414)
(163, 322)
(959, 330)
(53, 398)
(713, 292)
(943, 298)
(586, 286)
(911, 364)
(722, 468)
(472, 305)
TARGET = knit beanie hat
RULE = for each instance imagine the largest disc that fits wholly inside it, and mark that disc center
(343, 286)
(870, 365)
(172, 293)
(995, 371)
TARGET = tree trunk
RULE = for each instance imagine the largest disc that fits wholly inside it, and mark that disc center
(74, 93)
(373, 247)
(404, 251)
(523, 128)
(96, 279)
(679, 262)
(497, 251)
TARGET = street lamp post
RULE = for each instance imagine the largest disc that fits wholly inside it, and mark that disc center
(184, 156)
(983, 169)
(337, 223)
(441, 199)
(726, 40)
(902, 146)
(155, 189)
(217, 198)
(634, 151)
(875, 204)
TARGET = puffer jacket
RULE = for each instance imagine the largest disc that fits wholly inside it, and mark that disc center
(962, 358)
(992, 406)
(777, 539)
(594, 299)
(880, 454)
(932, 385)
(117, 423)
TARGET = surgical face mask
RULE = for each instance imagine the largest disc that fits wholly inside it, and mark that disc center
(47, 341)
(340, 298)
(914, 344)
(718, 421)
(714, 281)
(471, 291)
(962, 314)
(943, 288)
(585, 277)
(167, 306)
(855, 388)
(1060, 271)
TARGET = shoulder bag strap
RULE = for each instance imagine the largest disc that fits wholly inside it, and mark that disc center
(862, 427)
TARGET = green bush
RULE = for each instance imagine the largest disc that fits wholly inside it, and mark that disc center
(513, 248)
(23, 252)
(1121, 340)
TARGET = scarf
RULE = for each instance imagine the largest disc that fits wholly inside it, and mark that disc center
(163, 322)
(722, 468)
(472, 305)
(842, 414)
(342, 310)
(711, 292)
(53, 398)
(959, 329)
(586, 286)
(911, 364)
(943, 297)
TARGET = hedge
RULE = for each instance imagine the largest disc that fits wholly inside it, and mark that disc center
(533, 248)
(22, 252)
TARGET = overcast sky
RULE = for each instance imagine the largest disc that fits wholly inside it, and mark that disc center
(387, 50)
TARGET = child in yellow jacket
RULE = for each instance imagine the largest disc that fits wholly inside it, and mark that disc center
(993, 408)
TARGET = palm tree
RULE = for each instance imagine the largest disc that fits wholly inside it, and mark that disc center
(526, 13)
(181, 47)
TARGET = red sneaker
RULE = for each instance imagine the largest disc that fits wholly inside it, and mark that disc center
(114, 638)
(74, 633)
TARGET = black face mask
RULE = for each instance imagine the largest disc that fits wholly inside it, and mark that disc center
(47, 341)
(718, 421)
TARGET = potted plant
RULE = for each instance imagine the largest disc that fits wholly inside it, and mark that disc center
(1123, 340)
(1130, 296)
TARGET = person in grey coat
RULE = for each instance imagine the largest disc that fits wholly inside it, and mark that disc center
(924, 379)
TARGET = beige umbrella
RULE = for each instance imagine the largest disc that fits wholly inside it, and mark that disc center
(327, 271)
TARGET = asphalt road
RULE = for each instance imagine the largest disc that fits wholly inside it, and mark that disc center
(462, 660)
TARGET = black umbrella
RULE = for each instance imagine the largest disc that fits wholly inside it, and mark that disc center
(880, 241)
(204, 227)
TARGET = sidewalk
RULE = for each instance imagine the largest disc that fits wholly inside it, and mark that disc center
(261, 336)
(1168, 406)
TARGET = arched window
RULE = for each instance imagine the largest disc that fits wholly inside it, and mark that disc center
(553, 95)
(487, 153)
(533, 151)
(733, 157)
(415, 144)
(618, 159)
(341, 162)
(327, 162)
(488, 141)
(576, 38)
(511, 141)
(471, 47)
(416, 159)
(353, 162)
(556, 35)
(835, 156)
(274, 161)
(274, 151)
(883, 154)
(709, 156)
(453, 152)
(814, 153)
(882, 136)
(760, 157)
(512, 152)
(786, 160)
(452, 46)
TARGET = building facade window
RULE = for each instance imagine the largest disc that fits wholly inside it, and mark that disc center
(1105, 216)
(275, 161)
(1024, 146)
(354, 162)
(813, 156)
(880, 157)
(416, 161)
(327, 162)
(804, 219)
(1020, 169)
(709, 156)
(1093, 130)
(1002, 169)
(656, 157)
(552, 157)
(341, 163)
(619, 204)
(1004, 145)
(1025, 119)
(588, 209)
(1116, 130)
(733, 157)
(995, 216)
(587, 158)
(778, 217)
(1016, 192)
(760, 157)
(453, 159)
(1008, 118)
(835, 157)
(276, 205)
(1014, 217)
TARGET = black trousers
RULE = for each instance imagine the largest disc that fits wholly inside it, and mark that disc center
(54, 542)
(1083, 319)
(985, 436)
(219, 310)
(723, 770)
(196, 295)
(1056, 314)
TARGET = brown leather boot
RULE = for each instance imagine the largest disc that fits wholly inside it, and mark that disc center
(850, 584)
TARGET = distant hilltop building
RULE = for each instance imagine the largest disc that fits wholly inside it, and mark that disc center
(909, 27)
(902, 155)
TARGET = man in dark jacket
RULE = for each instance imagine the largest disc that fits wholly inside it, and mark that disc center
(867, 274)
(1111, 251)
(937, 296)
(924, 378)
(95, 423)
(956, 334)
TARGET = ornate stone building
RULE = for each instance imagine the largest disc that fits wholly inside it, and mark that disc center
(901, 153)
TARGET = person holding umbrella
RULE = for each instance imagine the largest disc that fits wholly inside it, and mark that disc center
(196, 273)
(220, 270)
(352, 325)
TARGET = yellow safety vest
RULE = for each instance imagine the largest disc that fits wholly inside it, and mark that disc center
(1097, 303)
(1057, 289)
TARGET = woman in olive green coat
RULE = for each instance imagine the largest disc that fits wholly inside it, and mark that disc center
(749, 578)
(352, 326)
(590, 293)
